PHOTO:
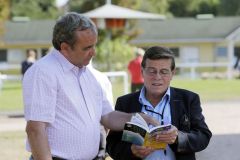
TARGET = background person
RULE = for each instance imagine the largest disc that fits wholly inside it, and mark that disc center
(64, 104)
(237, 66)
(179, 107)
(134, 68)
(31, 58)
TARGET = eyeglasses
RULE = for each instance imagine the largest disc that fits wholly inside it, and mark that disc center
(153, 72)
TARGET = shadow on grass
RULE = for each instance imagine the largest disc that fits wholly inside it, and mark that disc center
(222, 147)
(11, 88)
(16, 115)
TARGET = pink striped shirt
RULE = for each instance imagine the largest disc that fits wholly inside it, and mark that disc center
(70, 100)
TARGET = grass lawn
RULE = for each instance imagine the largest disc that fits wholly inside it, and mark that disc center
(11, 97)
(209, 90)
(212, 90)
(13, 142)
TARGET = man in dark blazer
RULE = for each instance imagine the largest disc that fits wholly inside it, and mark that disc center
(179, 107)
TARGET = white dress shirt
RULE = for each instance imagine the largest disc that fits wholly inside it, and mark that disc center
(104, 82)
(70, 100)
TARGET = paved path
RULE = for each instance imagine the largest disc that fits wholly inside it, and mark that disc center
(223, 118)
(11, 124)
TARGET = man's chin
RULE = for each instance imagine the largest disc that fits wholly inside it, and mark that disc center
(86, 64)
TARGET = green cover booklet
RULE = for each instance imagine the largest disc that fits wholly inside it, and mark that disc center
(137, 132)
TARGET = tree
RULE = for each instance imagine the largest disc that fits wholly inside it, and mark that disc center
(4, 14)
(189, 8)
(156, 6)
(84, 5)
(229, 7)
(209, 6)
(115, 53)
(37, 9)
(4, 9)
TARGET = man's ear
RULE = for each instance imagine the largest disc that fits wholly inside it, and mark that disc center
(173, 73)
(64, 48)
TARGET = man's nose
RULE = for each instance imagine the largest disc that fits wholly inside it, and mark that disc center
(159, 75)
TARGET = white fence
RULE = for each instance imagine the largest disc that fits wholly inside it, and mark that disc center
(6, 66)
(191, 66)
(3, 77)
(194, 66)
(120, 74)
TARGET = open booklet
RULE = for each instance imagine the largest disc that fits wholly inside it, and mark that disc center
(137, 132)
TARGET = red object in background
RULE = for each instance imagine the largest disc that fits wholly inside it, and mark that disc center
(134, 68)
(115, 23)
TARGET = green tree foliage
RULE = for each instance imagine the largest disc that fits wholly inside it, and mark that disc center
(208, 6)
(113, 53)
(155, 6)
(113, 49)
(84, 5)
(34, 9)
(4, 14)
(229, 7)
(190, 8)
(4, 9)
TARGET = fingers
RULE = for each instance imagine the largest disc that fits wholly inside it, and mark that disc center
(141, 151)
(150, 120)
(169, 136)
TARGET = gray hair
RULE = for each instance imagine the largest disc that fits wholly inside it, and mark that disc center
(66, 26)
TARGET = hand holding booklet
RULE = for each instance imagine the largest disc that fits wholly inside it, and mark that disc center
(137, 132)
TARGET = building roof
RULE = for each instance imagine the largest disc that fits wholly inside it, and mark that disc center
(28, 32)
(39, 32)
(117, 12)
(187, 30)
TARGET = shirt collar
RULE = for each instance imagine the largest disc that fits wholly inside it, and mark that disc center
(142, 99)
(66, 65)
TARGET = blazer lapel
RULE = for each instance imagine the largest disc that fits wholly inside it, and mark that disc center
(131, 103)
(136, 103)
(175, 106)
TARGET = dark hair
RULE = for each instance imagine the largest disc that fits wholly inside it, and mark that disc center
(65, 27)
(158, 52)
(29, 50)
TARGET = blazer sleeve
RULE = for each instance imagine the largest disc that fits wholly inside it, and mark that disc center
(116, 148)
(194, 134)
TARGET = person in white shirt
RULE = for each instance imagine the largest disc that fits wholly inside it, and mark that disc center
(104, 82)
(107, 87)
(64, 104)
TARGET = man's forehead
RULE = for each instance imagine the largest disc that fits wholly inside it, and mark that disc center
(158, 62)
